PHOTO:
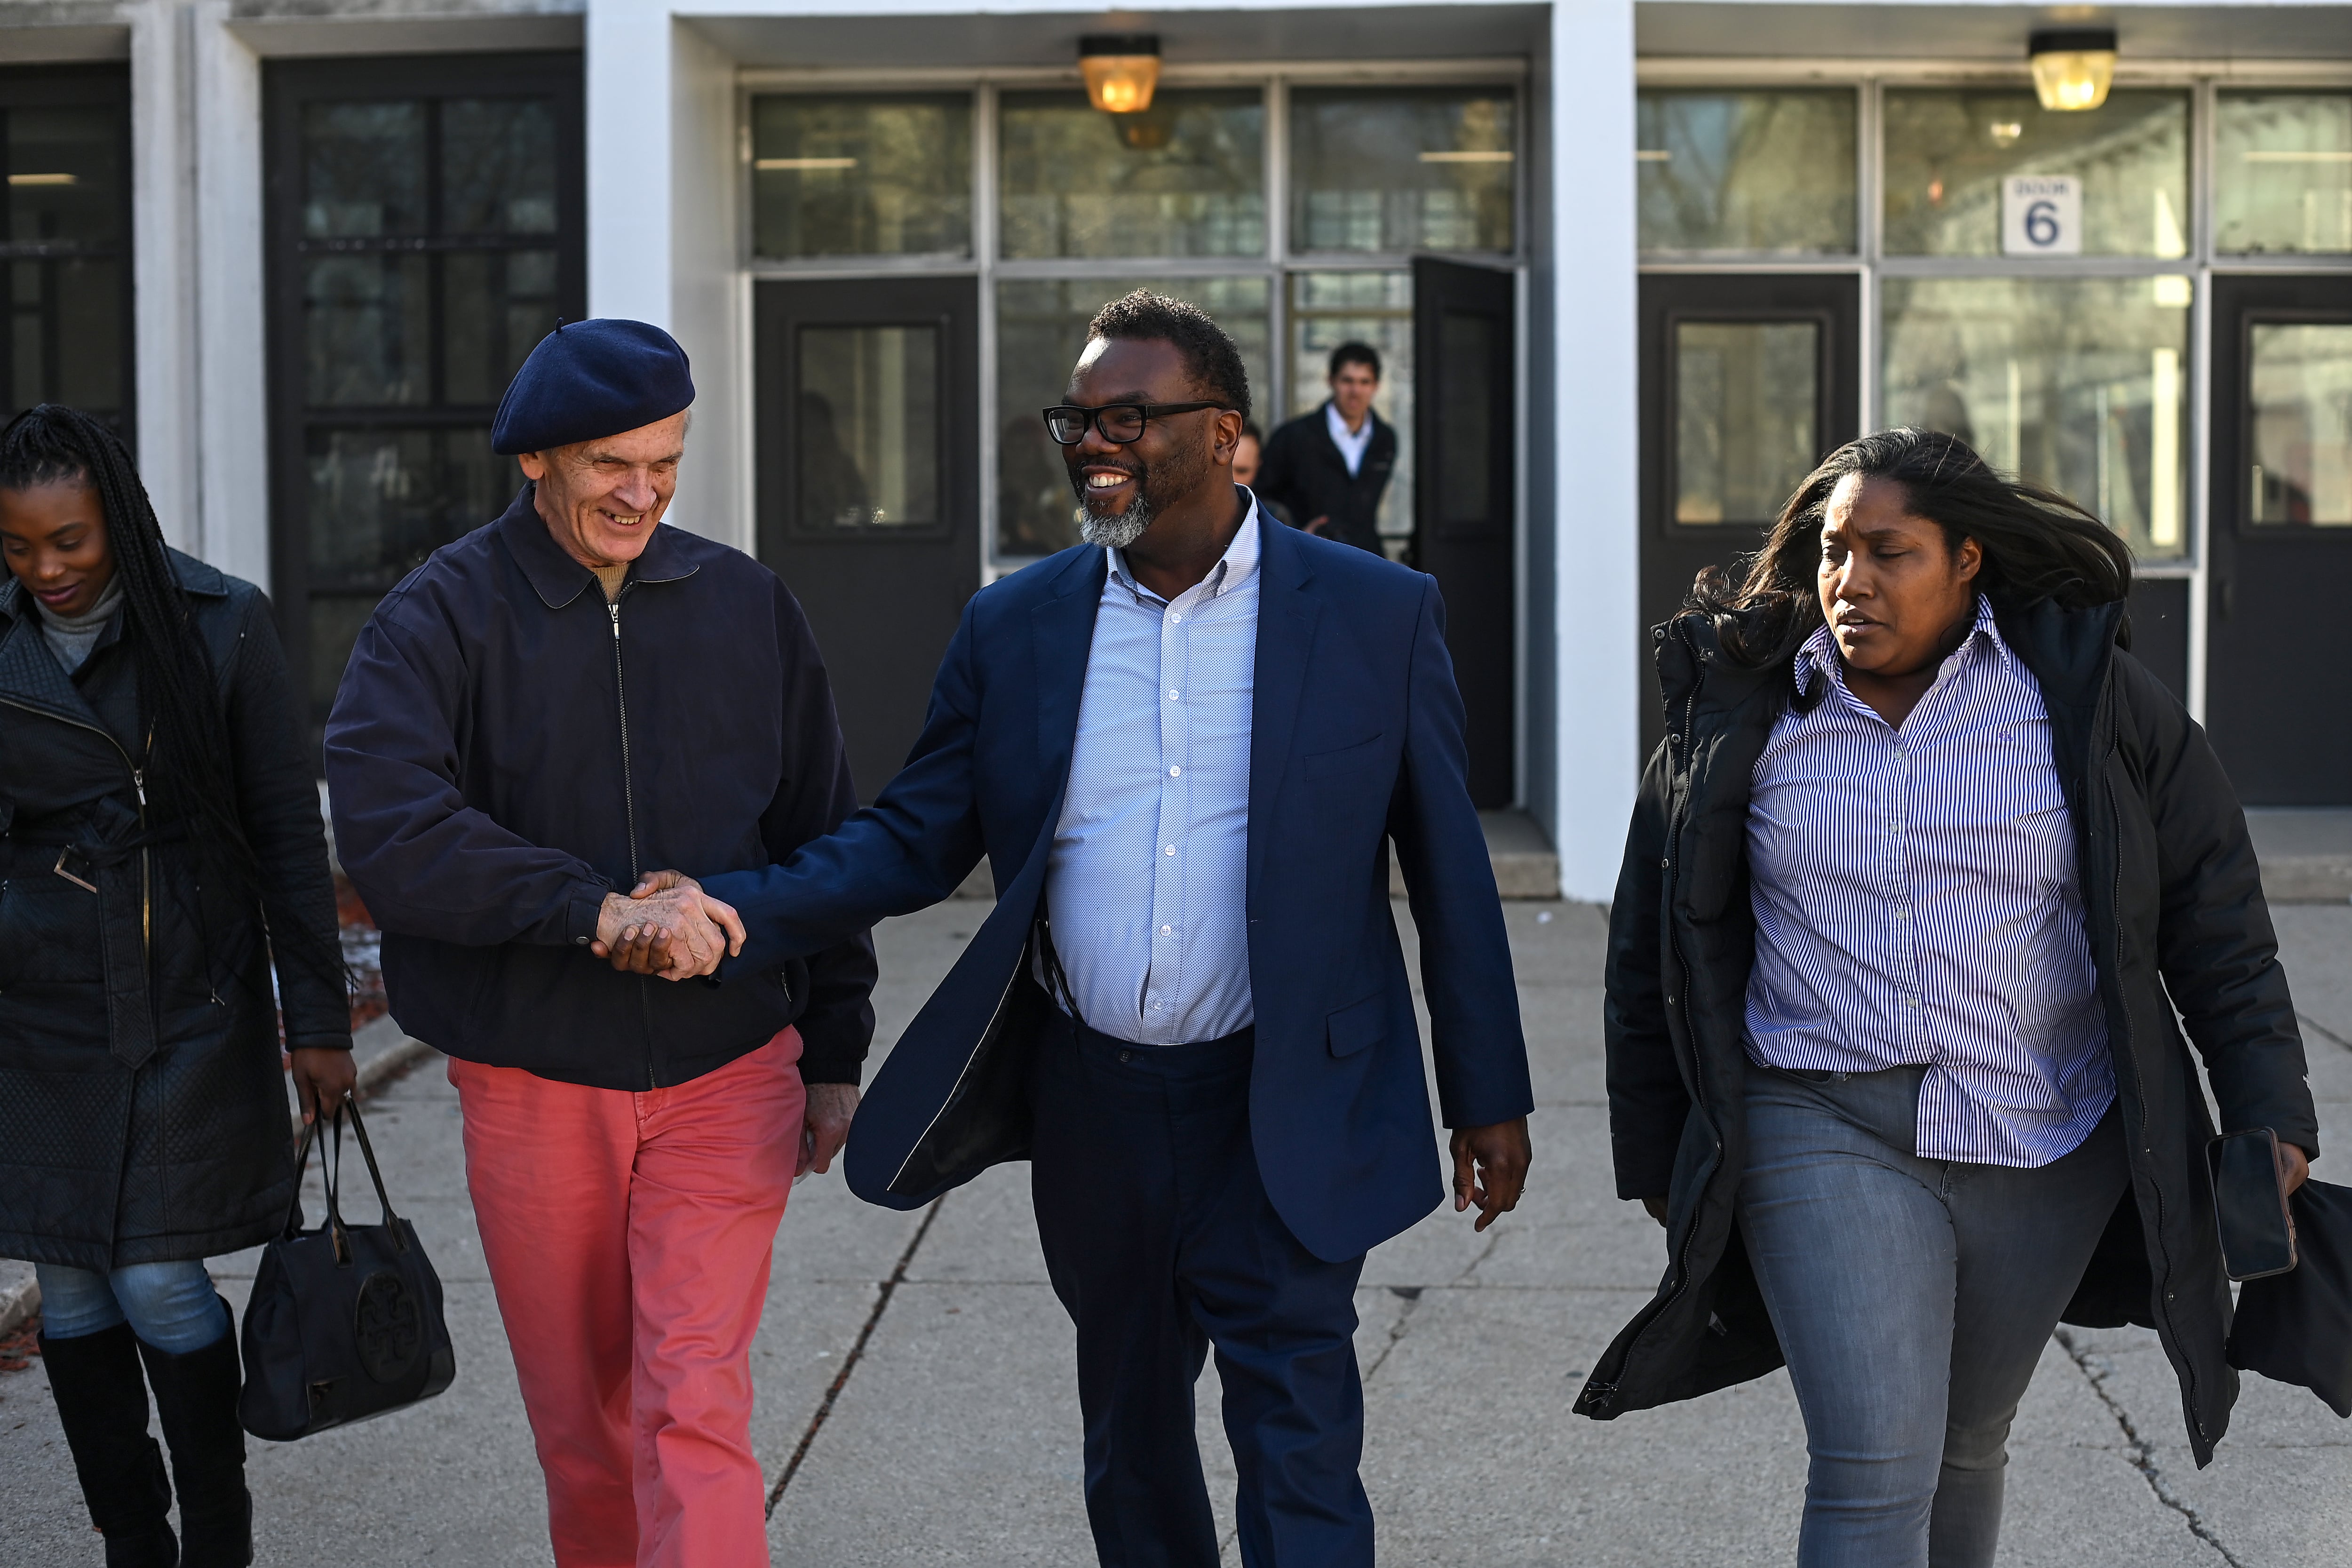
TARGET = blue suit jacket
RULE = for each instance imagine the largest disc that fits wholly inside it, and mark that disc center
(1357, 739)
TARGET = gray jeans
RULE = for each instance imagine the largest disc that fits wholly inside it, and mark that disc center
(1912, 1299)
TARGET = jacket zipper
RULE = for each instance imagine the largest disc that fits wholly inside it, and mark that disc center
(629, 803)
(139, 786)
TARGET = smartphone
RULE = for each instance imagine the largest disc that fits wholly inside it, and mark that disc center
(2250, 1202)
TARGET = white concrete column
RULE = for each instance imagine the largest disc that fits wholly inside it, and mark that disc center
(628, 93)
(163, 245)
(1596, 440)
(233, 364)
(709, 298)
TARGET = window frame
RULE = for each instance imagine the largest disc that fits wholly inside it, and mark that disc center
(97, 85)
(1277, 263)
(286, 87)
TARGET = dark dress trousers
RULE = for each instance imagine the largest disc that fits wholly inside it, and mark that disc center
(1303, 472)
(1221, 1191)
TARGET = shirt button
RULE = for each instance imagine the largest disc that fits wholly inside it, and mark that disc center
(1172, 694)
(1167, 931)
(1176, 773)
(1169, 850)
(1176, 620)
(1155, 1006)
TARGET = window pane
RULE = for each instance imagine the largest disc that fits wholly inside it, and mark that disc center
(1746, 171)
(496, 306)
(2300, 380)
(2282, 173)
(1948, 152)
(65, 174)
(64, 335)
(497, 165)
(381, 501)
(866, 435)
(363, 169)
(1328, 309)
(2075, 383)
(1041, 329)
(1185, 177)
(367, 328)
(1422, 169)
(1746, 393)
(861, 177)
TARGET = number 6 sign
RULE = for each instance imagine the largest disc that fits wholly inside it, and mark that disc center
(2042, 214)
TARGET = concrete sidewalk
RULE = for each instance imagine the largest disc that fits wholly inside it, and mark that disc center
(952, 1435)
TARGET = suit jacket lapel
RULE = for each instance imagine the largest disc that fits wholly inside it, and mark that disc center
(1287, 609)
(1063, 632)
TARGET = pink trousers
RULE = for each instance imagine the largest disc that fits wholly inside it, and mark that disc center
(628, 1236)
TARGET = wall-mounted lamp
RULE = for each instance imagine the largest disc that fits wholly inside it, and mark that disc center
(2073, 69)
(1121, 70)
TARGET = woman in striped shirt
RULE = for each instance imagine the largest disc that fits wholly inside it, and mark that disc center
(1917, 881)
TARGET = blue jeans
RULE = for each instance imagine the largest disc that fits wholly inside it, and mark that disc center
(1912, 1299)
(171, 1307)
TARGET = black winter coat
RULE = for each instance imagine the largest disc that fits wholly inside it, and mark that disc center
(507, 749)
(1303, 474)
(2173, 902)
(143, 1105)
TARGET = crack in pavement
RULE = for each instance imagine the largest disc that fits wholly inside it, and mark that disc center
(2095, 1369)
(856, 1352)
(2317, 1027)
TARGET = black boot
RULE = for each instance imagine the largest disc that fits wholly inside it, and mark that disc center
(102, 1405)
(195, 1395)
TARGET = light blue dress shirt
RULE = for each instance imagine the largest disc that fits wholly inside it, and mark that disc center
(1918, 900)
(1145, 886)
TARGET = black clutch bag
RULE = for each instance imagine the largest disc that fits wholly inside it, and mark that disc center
(345, 1322)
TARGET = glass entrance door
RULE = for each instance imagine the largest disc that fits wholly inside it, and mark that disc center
(2282, 538)
(869, 486)
(1747, 382)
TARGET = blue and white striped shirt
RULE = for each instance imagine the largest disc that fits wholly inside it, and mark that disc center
(1918, 900)
(1146, 883)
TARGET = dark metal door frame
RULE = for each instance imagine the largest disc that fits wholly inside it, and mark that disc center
(1672, 553)
(2279, 714)
(1473, 552)
(883, 601)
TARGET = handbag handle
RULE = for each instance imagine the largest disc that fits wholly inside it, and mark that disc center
(367, 1151)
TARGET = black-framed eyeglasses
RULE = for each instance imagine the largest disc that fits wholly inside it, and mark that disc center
(1118, 422)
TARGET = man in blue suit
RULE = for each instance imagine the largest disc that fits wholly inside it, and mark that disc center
(1190, 1009)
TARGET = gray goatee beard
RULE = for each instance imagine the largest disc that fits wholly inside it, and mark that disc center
(1119, 531)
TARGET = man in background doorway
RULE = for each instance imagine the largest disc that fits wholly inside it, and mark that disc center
(1326, 471)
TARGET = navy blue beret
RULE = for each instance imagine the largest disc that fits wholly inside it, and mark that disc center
(590, 379)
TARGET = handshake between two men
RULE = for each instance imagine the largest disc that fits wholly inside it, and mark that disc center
(666, 925)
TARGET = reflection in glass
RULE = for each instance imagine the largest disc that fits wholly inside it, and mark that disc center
(2282, 173)
(497, 165)
(1949, 149)
(861, 177)
(1185, 177)
(1746, 397)
(1041, 329)
(2075, 382)
(65, 174)
(381, 501)
(1746, 171)
(866, 436)
(2301, 384)
(496, 306)
(362, 168)
(367, 328)
(1328, 309)
(1403, 168)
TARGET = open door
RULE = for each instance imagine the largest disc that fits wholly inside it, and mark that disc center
(1466, 497)
(869, 488)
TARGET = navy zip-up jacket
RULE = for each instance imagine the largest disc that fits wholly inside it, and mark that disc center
(507, 749)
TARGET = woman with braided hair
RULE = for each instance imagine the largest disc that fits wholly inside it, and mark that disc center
(161, 851)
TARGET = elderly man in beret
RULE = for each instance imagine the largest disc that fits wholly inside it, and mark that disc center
(544, 715)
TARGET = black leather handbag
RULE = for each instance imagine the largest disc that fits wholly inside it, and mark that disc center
(345, 1321)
